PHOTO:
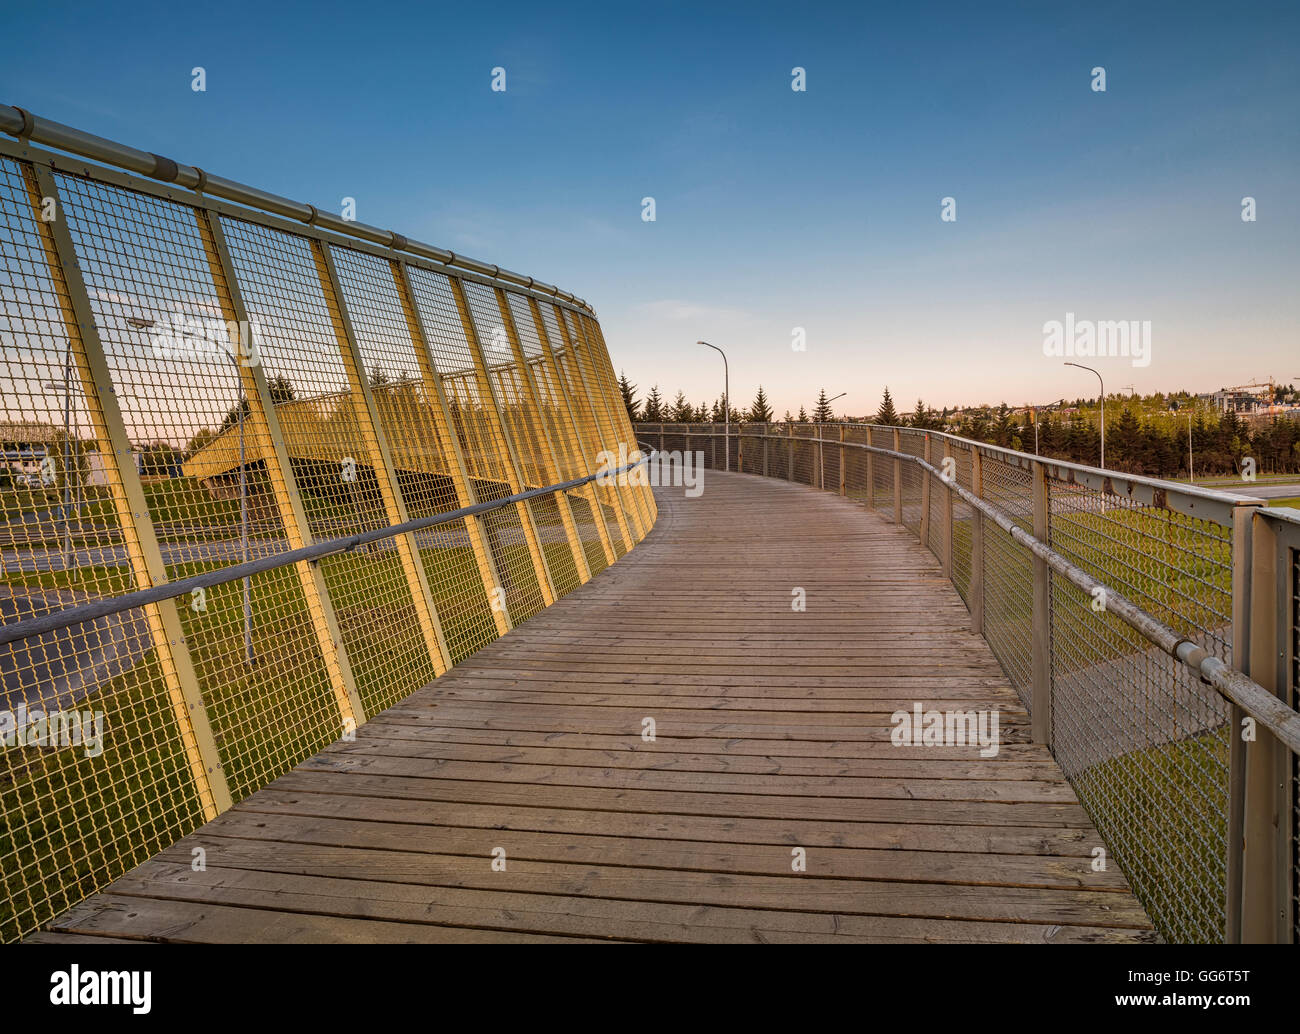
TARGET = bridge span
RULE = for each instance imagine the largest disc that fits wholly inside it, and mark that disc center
(519, 796)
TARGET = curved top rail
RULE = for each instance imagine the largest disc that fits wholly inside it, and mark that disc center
(1192, 500)
(20, 123)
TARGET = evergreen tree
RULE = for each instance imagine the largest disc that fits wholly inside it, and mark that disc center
(887, 415)
(760, 411)
(654, 407)
(682, 412)
(803, 415)
(628, 391)
(822, 414)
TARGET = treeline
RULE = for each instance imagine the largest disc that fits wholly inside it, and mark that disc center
(1148, 435)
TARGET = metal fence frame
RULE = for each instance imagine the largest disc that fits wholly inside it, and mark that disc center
(398, 526)
(1008, 527)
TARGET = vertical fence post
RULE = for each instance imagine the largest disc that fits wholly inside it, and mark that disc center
(898, 480)
(977, 544)
(466, 494)
(843, 481)
(138, 534)
(789, 448)
(871, 471)
(293, 517)
(945, 538)
(1041, 636)
(551, 461)
(820, 481)
(1267, 899)
(765, 449)
(1242, 569)
(509, 460)
(381, 461)
(661, 436)
(925, 495)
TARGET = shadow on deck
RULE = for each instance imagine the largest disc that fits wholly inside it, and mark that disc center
(772, 733)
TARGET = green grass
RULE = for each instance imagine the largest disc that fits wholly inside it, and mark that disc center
(1163, 813)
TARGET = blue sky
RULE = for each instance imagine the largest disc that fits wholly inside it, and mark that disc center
(775, 209)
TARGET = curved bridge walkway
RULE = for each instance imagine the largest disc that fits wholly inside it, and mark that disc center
(772, 733)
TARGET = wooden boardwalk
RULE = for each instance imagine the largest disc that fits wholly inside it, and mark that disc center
(771, 734)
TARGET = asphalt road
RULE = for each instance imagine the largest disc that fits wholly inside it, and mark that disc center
(55, 670)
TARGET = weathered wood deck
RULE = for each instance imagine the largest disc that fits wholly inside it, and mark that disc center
(772, 732)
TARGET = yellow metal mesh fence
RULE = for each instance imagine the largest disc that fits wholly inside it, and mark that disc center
(188, 387)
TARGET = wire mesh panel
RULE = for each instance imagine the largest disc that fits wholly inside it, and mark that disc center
(1008, 574)
(882, 476)
(96, 777)
(606, 405)
(158, 304)
(407, 404)
(555, 419)
(583, 403)
(963, 522)
(522, 432)
(328, 444)
(1144, 741)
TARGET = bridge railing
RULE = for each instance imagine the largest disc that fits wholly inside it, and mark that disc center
(199, 376)
(1127, 612)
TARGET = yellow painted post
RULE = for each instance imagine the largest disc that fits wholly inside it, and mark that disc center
(575, 344)
(509, 460)
(466, 494)
(381, 460)
(546, 446)
(570, 422)
(579, 374)
(584, 352)
(183, 692)
(265, 426)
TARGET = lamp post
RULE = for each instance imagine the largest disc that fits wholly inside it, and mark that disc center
(726, 404)
(821, 448)
(66, 388)
(1103, 408)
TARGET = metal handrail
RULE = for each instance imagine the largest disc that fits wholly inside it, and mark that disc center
(1193, 500)
(65, 617)
(20, 123)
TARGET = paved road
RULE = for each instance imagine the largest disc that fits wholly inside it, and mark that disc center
(55, 670)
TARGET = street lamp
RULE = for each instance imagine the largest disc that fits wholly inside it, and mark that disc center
(726, 404)
(66, 388)
(1103, 409)
(821, 447)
